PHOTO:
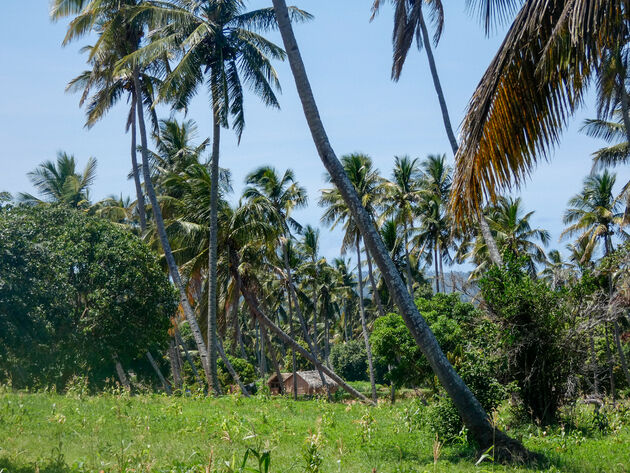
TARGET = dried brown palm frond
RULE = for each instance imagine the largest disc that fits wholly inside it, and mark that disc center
(532, 87)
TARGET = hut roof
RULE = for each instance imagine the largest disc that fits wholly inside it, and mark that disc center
(274, 377)
(313, 379)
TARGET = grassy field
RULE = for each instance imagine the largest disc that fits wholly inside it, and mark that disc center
(50, 433)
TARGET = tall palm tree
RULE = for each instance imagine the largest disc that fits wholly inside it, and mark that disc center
(435, 230)
(60, 181)
(467, 405)
(370, 188)
(404, 192)
(103, 85)
(558, 272)
(280, 195)
(594, 214)
(310, 247)
(513, 232)
(409, 23)
(217, 42)
(532, 87)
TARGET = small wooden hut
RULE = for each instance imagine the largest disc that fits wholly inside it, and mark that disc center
(308, 382)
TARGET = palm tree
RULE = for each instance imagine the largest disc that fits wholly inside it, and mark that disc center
(404, 192)
(217, 41)
(370, 189)
(409, 23)
(467, 405)
(310, 248)
(558, 272)
(435, 231)
(61, 183)
(532, 87)
(103, 85)
(594, 214)
(280, 195)
(513, 232)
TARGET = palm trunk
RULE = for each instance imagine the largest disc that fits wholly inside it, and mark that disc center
(252, 302)
(437, 272)
(231, 369)
(366, 337)
(314, 304)
(376, 298)
(173, 356)
(178, 337)
(594, 362)
(293, 357)
(166, 246)
(263, 357)
(274, 358)
(468, 406)
(625, 109)
(408, 261)
(442, 275)
(622, 356)
(157, 370)
(142, 213)
(212, 250)
(327, 335)
(438, 86)
(312, 347)
(491, 244)
(122, 377)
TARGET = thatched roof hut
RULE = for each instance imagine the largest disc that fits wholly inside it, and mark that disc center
(308, 382)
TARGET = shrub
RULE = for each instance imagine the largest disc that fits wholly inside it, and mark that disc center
(349, 360)
(76, 291)
(243, 368)
(534, 338)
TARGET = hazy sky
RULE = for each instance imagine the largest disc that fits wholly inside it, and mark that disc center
(349, 62)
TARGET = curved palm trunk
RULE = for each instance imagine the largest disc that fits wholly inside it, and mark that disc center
(156, 368)
(274, 357)
(408, 261)
(231, 369)
(437, 271)
(120, 372)
(293, 357)
(376, 298)
(252, 302)
(181, 343)
(312, 347)
(495, 256)
(364, 328)
(467, 405)
(142, 213)
(625, 109)
(212, 250)
(174, 359)
(438, 86)
(166, 246)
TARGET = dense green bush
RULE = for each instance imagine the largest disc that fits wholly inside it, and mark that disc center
(349, 360)
(534, 336)
(75, 292)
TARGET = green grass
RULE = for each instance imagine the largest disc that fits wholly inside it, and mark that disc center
(50, 433)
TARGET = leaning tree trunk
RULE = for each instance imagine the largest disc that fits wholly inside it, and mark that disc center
(293, 356)
(157, 370)
(407, 260)
(376, 298)
(178, 337)
(364, 328)
(166, 246)
(312, 347)
(212, 250)
(122, 377)
(231, 369)
(467, 405)
(495, 256)
(622, 356)
(272, 355)
(173, 358)
(252, 302)
(142, 213)
(438, 86)
(611, 374)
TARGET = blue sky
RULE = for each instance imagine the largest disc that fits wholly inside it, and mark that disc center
(349, 62)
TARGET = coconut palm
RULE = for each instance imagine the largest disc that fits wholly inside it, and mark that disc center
(369, 187)
(60, 181)
(404, 193)
(103, 86)
(409, 23)
(558, 272)
(217, 42)
(434, 232)
(467, 405)
(594, 214)
(532, 87)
